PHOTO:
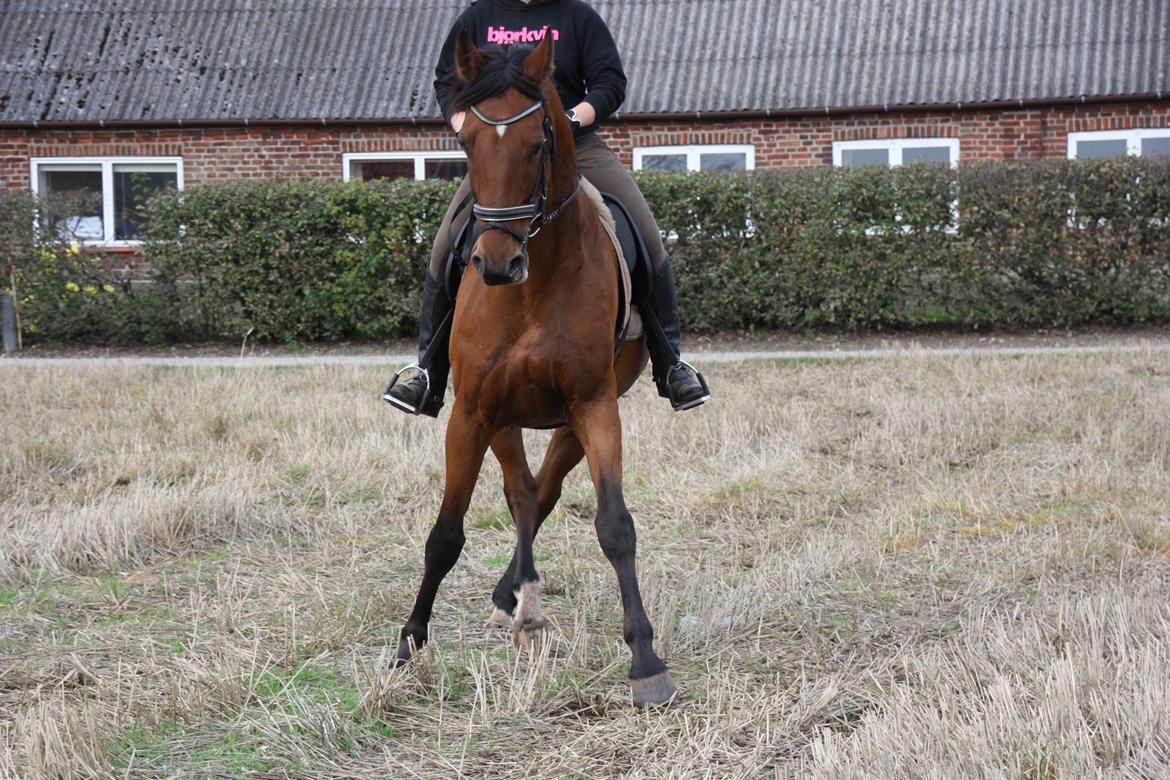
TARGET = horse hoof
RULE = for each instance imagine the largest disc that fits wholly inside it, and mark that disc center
(653, 691)
(500, 620)
(528, 633)
(404, 654)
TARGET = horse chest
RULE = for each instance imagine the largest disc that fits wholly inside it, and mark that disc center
(518, 355)
(519, 390)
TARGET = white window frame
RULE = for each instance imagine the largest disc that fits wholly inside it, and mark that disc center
(895, 146)
(694, 151)
(419, 158)
(1133, 139)
(107, 167)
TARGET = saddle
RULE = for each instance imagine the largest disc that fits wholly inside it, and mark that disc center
(635, 270)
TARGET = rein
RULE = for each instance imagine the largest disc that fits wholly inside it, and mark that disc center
(498, 217)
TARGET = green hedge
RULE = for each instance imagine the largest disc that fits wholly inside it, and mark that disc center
(69, 295)
(299, 260)
(1049, 243)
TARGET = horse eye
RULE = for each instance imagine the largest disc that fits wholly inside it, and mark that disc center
(536, 147)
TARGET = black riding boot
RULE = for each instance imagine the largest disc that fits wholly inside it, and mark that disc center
(423, 393)
(677, 380)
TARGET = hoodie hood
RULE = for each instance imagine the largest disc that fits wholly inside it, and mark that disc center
(520, 5)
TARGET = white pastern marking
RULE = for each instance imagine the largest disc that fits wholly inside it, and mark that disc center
(499, 619)
(501, 129)
(528, 601)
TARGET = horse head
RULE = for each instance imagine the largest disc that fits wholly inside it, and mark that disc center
(514, 119)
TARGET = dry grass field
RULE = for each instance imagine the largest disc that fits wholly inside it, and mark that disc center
(915, 567)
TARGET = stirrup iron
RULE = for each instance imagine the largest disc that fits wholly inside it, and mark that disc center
(702, 380)
(397, 402)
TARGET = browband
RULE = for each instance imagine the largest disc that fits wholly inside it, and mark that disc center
(510, 120)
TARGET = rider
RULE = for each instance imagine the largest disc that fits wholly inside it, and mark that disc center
(589, 77)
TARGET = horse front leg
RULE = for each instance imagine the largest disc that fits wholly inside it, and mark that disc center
(466, 443)
(599, 428)
(564, 452)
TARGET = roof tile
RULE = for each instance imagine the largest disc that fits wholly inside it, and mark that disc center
(88, 60)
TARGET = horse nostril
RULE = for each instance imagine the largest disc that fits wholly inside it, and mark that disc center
(516, 266)
(477, 262)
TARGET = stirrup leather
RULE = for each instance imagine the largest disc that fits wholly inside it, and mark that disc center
(702, 380)
(426, 375)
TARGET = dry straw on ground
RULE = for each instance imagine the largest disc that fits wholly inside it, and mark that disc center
(905, 568)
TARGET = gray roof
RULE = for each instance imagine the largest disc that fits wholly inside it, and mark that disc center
(162, 60)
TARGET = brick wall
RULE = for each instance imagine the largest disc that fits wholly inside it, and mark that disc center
(983, 135)
(217, 154)
(211, 154)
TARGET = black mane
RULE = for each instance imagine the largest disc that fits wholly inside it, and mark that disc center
(503, 69)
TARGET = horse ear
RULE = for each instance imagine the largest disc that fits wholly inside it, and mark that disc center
(468, 60)
(539, 64)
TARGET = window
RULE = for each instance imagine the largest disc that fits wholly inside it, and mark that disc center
(896, 151)
(901, 151)
(368, 166)
(1114, 143)
(99, 199)
(740, 157)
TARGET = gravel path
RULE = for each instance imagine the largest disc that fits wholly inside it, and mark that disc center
(699, 357)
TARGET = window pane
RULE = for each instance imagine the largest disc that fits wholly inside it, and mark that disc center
(134, 185)
(73, 198)
(932, 154)
(723, 161)
(445, 169)
(664, 162)
(852, 157)
(1152, 146)
(368, 170)
(1087, 149)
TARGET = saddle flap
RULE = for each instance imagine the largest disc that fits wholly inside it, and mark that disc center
(636, 275)
(633, 246)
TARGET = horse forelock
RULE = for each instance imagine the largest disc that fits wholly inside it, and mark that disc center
(503, 69)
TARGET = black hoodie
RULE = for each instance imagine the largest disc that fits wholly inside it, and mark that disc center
(588, 66)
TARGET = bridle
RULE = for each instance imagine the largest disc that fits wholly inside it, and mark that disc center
(498, 217)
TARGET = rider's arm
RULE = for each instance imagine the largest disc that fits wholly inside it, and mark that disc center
(604, 76)
(445, 71)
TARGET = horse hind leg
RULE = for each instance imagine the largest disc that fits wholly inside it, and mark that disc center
(520, 490)
(466, 444)
(564, 452)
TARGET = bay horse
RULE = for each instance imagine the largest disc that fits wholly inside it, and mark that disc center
(533, 346)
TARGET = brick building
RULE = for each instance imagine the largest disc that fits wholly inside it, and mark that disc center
(115, 98)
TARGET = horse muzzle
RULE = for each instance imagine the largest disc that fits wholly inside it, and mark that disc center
(495, 273)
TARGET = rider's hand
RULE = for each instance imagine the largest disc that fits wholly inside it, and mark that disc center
(457, 120)
(585, 113)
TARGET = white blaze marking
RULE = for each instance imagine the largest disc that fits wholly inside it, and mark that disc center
(501, 129)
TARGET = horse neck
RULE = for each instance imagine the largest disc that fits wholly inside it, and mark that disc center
(549, 246)
(562, 174)
(570, 223)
